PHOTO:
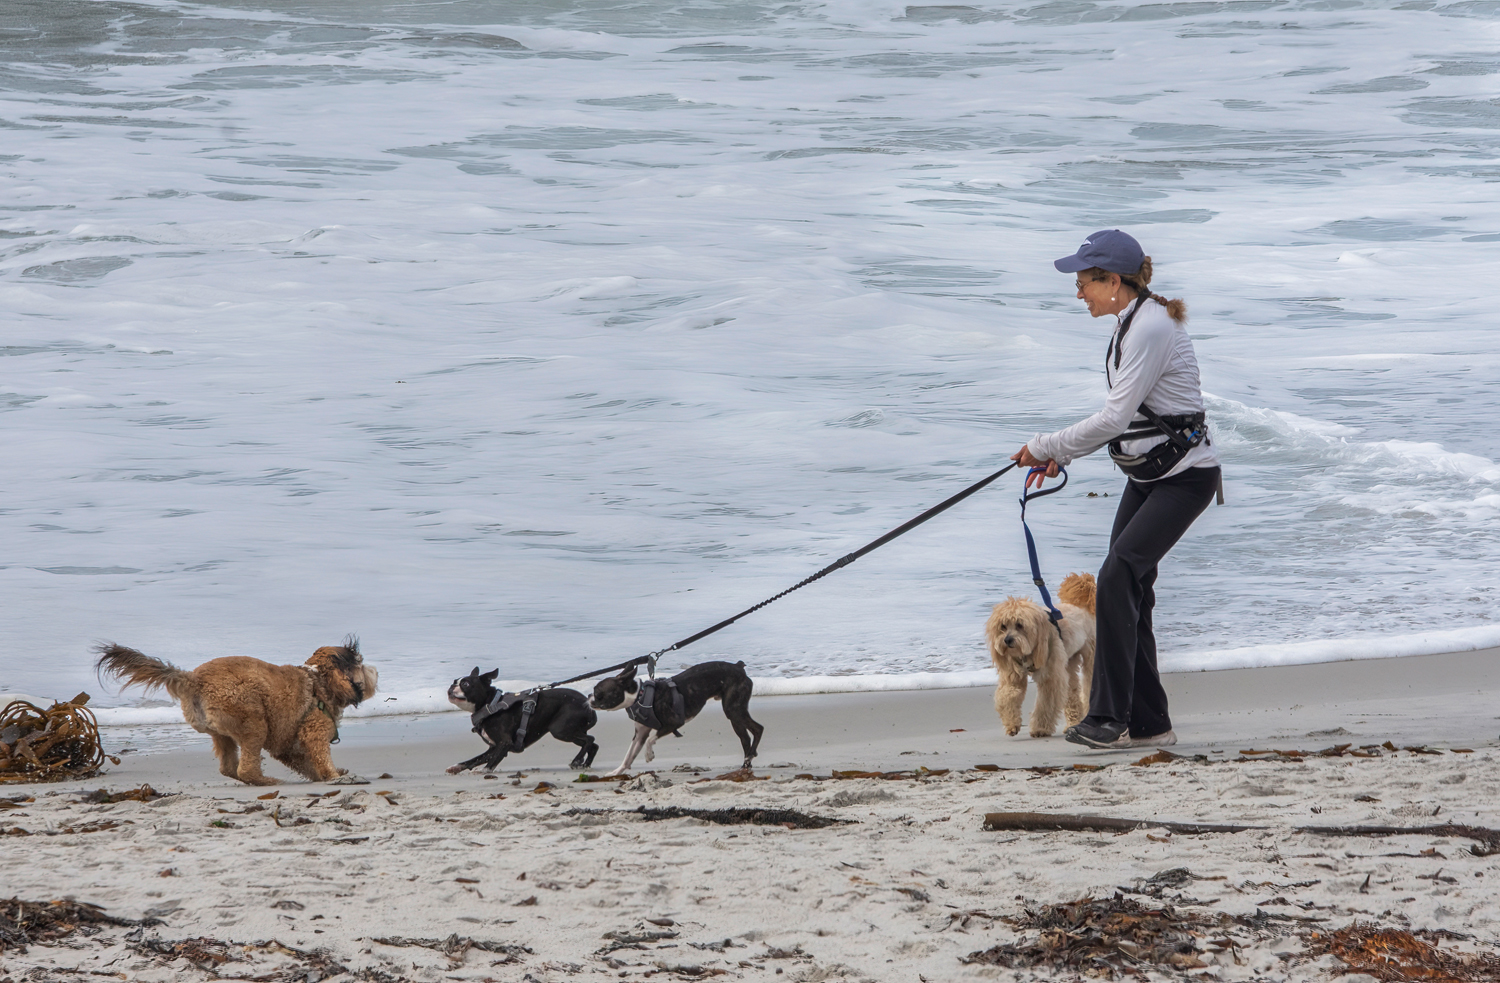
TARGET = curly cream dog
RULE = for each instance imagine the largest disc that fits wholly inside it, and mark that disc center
(1023, 642)
(246, 705)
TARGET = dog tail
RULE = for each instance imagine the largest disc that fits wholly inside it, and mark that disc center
(136, 669)
(1077, 589)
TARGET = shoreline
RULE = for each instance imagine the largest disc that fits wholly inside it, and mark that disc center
(1266, 656)
(1437, 699)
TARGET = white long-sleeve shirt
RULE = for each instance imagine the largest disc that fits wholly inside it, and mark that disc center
(1158, 368)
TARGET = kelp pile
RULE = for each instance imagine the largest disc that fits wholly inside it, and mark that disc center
(1398, 955)
(52, 745)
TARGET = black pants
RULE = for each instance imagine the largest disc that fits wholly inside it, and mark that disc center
(1151, 518)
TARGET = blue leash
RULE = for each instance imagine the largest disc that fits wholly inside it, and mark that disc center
(1036, 571)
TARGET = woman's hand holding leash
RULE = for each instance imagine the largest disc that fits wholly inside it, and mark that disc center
(1041, 470)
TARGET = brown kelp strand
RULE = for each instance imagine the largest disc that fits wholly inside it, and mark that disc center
(51, 745)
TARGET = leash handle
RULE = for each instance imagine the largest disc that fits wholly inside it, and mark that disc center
(1036, 571)
(1027, 493)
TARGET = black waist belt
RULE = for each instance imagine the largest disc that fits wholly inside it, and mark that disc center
(1183, 431)
(1173, 429)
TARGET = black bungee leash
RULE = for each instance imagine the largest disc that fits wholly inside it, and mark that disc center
(650, 660)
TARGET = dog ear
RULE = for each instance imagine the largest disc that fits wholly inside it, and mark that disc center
(329, 657)
(1044, 636)
(1036, 622)
(474, 671)
(334, 667)
(489, 676)
(628, 674)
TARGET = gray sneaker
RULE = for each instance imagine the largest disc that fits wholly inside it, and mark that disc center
(1164, 739)
(1104, 736)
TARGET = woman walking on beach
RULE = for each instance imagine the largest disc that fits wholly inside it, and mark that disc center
(1153, 423)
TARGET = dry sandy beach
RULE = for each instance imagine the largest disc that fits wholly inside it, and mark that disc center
(532, 876)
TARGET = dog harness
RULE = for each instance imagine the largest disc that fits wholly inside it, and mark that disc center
(643, 710)
(500, 703)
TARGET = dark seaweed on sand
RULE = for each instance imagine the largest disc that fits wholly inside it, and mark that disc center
(1396, 954)
(1109, 937)
(24, 923)
(738, 816)
(745, 816)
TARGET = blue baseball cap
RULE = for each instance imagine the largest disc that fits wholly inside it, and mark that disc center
(1110, 249)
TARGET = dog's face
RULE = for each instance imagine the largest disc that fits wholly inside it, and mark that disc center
(343, 669)
(616, 692)
(473, 690)
(1015, 633)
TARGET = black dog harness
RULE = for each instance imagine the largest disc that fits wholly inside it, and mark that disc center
(643, 710)
(502, 702)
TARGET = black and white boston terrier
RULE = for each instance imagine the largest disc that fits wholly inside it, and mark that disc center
(660, 706)
(499, 718)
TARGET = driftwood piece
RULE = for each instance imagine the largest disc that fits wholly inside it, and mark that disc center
(1058, 821)
(1487, 841)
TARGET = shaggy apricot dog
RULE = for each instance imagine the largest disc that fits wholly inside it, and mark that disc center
(247, 705)
(1023, 643)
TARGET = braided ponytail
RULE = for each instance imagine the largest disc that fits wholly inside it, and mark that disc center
(1176, 308)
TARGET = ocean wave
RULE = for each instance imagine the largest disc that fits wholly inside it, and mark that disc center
(1242, 427)
(434, 700)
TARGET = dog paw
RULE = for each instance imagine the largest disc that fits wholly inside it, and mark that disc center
(1041, 733)
(1012, 731)
(455, 769)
